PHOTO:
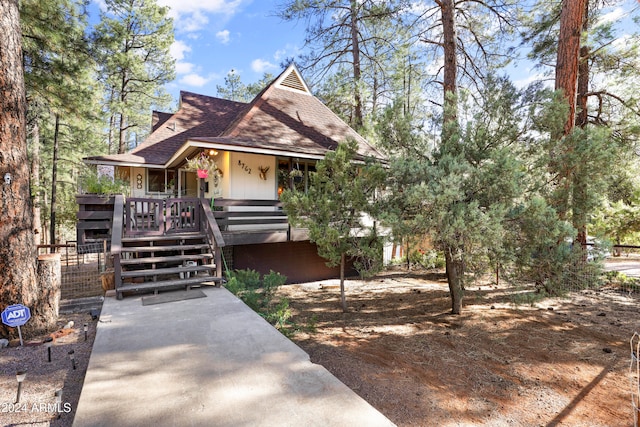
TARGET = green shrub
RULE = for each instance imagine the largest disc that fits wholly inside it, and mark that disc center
(279, 315)
(312, 324)
(249, 278)
(528, 298)
(254, 300)
(91, 183)
(257, 294)
(621, 280)
(427, 259)
(234, 286)
(271, 282)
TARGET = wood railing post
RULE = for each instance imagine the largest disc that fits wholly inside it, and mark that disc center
(116, 238)
(210, 226)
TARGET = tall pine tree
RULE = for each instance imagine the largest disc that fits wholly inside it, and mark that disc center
(132, 42)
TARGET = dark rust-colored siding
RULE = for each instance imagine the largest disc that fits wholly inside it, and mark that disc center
(299, 261)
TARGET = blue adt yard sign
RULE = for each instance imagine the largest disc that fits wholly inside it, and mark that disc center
(16, 315)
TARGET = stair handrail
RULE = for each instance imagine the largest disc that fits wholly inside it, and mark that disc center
(117, 230)
(210, 226)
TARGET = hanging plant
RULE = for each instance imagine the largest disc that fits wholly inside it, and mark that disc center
(203, 165)
(295, 173)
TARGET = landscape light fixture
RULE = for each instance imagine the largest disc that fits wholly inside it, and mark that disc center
(58, 395)
(86, 328)
(73, 358)
(48, 341)
(20, 376)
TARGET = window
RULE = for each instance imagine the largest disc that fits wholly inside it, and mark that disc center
(160, 180)
(294, 174)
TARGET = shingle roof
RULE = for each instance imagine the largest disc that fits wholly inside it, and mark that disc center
(198, 116)
(279, 119)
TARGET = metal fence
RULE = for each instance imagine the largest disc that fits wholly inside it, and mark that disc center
(82, 268)
(589, 276)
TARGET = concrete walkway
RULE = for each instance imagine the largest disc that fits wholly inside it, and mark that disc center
(207, 362)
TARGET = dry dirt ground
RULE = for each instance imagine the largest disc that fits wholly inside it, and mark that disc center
(37, 405)
(561, 362)
(558, 362)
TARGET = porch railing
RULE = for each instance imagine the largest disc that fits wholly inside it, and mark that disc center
(117, 230)
(145, 216)
(240, 215)
(216, 241)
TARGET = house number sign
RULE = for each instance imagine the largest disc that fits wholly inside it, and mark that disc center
(244, 167)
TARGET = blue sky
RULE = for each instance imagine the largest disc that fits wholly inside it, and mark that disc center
(214, 36)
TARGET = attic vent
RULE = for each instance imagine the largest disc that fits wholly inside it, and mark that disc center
(293, 81)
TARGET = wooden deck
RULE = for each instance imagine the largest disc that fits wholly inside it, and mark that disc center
(154, 242)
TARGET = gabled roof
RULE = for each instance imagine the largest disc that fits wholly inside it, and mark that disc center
(284, 119)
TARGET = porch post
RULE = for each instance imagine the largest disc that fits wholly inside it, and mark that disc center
(201, 186)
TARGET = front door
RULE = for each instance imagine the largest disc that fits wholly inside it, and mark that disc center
(188, 184)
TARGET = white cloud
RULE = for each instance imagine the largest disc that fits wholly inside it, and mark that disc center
(184, 7)
(191, 15)
(178, 50)
(614, 16)
(192, 22)
(184, 67)
(195, 80)
(280, 54)
(261, 66)
(223, 36)
(289, 51)
(102, 5)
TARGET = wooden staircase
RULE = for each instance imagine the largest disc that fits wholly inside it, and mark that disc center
(164, 262)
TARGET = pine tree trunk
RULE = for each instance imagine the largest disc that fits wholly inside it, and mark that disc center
(450, 60)
(580, 187)
(357, 72)
(566, 80)
(17, 249)
(112, 120)
(455, 276)
(454, 264)
(571, 18)
(122, 135)
(35, 176)
(44, 313)
(343, 298)
(54, 184)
